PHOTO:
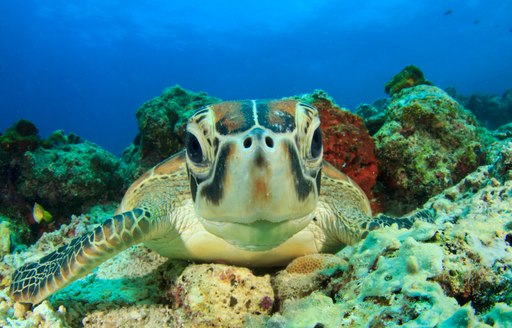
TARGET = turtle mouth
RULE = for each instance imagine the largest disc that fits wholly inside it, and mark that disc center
(260, 235)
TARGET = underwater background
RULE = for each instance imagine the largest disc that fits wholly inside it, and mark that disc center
(415, 102)
(86, 66)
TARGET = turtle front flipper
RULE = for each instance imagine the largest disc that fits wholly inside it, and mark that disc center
(33, 282)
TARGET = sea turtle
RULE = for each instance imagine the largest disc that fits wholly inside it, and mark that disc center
(251, 188)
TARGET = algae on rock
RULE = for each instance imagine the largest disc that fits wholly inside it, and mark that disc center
(63, 173)
(409, 77)
(428, 143)
(77, 175)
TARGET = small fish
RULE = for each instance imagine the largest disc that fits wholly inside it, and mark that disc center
(39, 214)
(476, 22)
(448, 12)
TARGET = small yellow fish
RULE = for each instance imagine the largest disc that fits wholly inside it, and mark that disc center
(39, 214)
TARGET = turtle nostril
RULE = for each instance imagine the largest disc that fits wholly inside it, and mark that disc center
(269, 142)
(248, 142)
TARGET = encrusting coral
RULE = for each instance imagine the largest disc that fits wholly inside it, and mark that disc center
(428, 143)
(61, 175)
(77, 175)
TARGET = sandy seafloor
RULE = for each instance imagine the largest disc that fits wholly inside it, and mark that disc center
(455, 272)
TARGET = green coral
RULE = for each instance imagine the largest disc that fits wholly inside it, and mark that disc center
(410, 76)
(428, 143)
(63, 173)
(77, 175)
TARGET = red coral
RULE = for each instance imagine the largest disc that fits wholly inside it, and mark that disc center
(348, 145)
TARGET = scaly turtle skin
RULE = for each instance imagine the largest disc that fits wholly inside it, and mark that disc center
(250, 189)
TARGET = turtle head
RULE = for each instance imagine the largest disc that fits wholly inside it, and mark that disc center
(254, 169)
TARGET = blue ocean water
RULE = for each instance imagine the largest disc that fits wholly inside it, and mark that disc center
(86, 66)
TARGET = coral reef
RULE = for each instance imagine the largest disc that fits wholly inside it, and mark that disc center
(452, 273)
(455, 272)
(347, 143)
(317, 311)
(428, 143)
(491, 110)
(161, 124)
(409, 77)
(63, 173)
(477, 242)
(76, 175)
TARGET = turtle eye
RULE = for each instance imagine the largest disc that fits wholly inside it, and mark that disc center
(316, 143)
(194, 150)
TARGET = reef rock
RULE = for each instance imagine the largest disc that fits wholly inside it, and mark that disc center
(490, 109)
(304, 275)
(478, 241)
(68, 177)
(409, 77)
(428, 143)
(14, 142)
(162, 122)
(347, 143)
(19, 138)
(63, 173)
(374, 115)
(218, 295)
(503, 132)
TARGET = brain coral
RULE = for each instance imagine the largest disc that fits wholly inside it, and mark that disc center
(428, 143)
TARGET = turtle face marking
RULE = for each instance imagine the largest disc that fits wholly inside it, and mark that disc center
(254, 169)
